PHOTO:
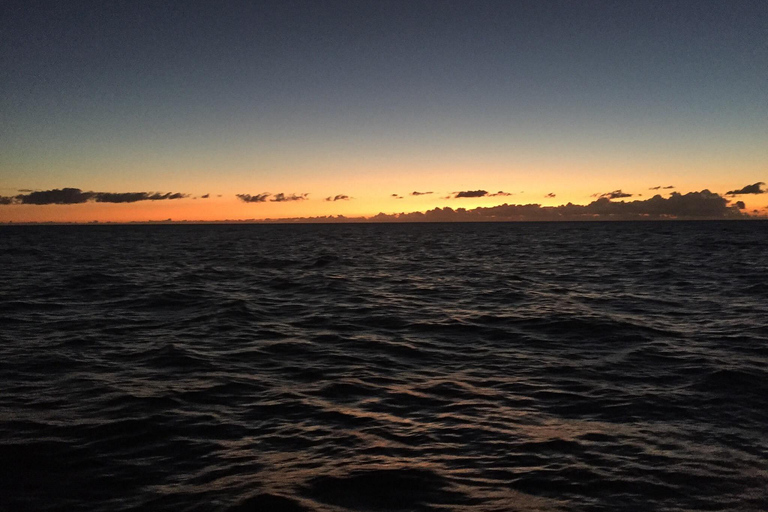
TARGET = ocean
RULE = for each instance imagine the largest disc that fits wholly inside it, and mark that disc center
(604, 366)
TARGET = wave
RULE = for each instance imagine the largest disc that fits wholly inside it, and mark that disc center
(388, 367)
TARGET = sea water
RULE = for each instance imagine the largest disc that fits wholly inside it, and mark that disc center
(419, 367)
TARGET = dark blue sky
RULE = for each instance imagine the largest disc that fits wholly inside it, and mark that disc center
(402, 54)
(280, 84)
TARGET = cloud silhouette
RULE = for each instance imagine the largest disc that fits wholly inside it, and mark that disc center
(340, 197)
(551, 194)
(616, 194)
(749, 189)
(56, 196)
(659, 187)
(477, 193)
(694, 205)
(414, 193)
(396, 196)
(277, 198)
(206, 196)
(281, 198)
(132, 197)
(128, 197)
(258, 198)
(471, 193)
(77, 196)
(704, 204)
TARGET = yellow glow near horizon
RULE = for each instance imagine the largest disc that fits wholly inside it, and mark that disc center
(529, 181)
(364, 205)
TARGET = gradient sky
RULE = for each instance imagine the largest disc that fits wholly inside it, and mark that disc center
(373, 98)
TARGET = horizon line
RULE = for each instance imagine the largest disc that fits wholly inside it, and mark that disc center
(370, 221)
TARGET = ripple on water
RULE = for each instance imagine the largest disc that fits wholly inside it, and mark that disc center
(584, 367)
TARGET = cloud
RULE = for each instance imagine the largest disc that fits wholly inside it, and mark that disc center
(128, 197)
(616, 194)
(77, 196)
(659, 187)
(471, 193)
(704, 204)
(56, 196)
(551, 194)
(277, 198)
(132, 197)
(694, 205)
(396, 196)
(340, 197)
(414, 193)
(477, 193)
(749, 189)
(206, 196)
(281, 198)
(740, 205)
(176, 195)
(258, 198)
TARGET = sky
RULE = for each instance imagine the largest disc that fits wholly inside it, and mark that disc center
(296, 109)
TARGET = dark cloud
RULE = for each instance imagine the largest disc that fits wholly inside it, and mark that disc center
(551, 194)
(248, 198)
(740, 205)
(128, 197)
(281, 198)
(616, 194)
(478, 193)
(414, 193)
(471, 193)
(56, 196)
(396, 196)
(206, 196)
(749, 189)
(659, 187)
(704, 204)
(77, 196)
(694, 205)
(340, 197)
(132, 197)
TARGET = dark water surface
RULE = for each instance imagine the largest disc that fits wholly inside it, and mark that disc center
(464, 367)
